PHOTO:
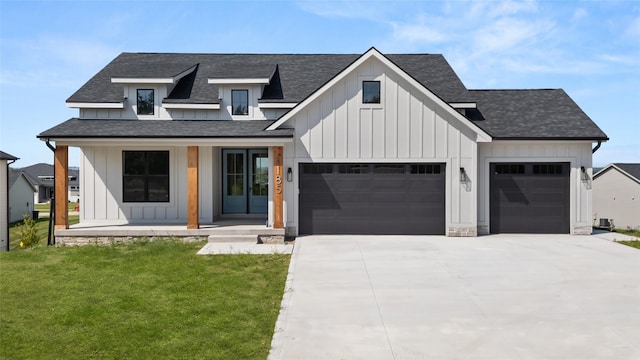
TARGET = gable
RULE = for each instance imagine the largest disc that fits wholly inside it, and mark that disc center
(406, 100)
(409, 123)
(620, 170)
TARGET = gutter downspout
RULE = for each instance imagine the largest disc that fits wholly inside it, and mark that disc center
(51, 238)
(597, 147)
(8, 202)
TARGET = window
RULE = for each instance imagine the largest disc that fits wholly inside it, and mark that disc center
(371, 92)
(547, 169)
(145, 101)
(509, 169)
(425, 169)
(240, 102)
(145, 176)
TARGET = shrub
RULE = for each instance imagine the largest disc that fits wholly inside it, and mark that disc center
(28, 232)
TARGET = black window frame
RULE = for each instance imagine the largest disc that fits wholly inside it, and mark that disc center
(371, 98)
(148, 176)
(139, 109)
(233, 102)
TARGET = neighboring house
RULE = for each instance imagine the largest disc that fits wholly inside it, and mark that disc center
(41, 175)
(325, 144)
(21, 192)
(5, 161)
(616, 196)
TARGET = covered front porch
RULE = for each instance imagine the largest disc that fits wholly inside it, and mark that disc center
(189, 190)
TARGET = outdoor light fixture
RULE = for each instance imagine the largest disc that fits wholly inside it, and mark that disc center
(289, 175)
(463, 175)
(583, 174)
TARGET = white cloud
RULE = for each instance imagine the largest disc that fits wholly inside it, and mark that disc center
(633, 30)
(579, 13)
(417, 33)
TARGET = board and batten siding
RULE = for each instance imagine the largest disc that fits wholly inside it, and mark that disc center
(576, 153)
(101, 187)
(407, 127)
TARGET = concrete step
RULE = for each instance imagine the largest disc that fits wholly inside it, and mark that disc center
(224, 238)
(244, 230)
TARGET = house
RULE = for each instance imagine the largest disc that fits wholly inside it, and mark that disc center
(5, 161)
(616, 196)
(366, 143)
(21, 192)
(41, 175)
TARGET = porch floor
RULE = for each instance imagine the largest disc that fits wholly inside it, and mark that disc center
(221, 227)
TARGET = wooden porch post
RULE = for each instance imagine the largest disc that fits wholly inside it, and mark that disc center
(193, 213)
(278, 185)
(61, 187)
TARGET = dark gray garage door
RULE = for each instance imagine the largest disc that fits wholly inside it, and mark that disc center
(372, 199)
(530, 198)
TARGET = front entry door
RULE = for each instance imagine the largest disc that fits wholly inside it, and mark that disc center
(245, 181)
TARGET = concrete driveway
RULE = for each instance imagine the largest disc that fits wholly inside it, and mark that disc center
(432, 297)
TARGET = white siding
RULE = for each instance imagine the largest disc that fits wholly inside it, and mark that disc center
(616, 196)
(20, 199)
(101, 188)
(576, 153)
(407, 127)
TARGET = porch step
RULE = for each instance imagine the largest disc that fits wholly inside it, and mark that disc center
(224, 238)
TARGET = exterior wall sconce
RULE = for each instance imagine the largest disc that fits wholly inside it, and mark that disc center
(463, 176)
(583, 174)
(289, 175)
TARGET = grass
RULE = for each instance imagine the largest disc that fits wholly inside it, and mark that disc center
(42, 225)
(146, 300)
(634, 233)
(46, 207)
(632, 243)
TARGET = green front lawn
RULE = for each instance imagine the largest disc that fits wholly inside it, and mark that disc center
(634, 243)
(45, 207)
(42, 225)
(146, 300)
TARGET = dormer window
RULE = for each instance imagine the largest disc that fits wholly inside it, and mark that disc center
(240, 102)
(145, 101)
(371, 92)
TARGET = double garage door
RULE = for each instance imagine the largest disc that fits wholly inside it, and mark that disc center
(372, 199)
(530, 198)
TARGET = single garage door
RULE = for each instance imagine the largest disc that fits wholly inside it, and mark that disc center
(530, 198)
(372, 199)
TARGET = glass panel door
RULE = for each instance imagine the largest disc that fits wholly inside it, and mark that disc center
(234, 179)
(258, 181)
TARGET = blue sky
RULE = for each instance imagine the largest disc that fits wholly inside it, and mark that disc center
(591, 49)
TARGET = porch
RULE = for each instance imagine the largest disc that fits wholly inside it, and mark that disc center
(239, 231)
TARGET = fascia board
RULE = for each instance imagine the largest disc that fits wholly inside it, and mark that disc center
(142, 80)
(276, 105)
(191, 106)
(126, 142)
(248, 81)
(469, 105)
(119, 105)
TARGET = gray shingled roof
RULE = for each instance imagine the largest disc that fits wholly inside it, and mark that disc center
(532, 114)
(299, 75)
(109, 128)
(630, 168)
(14, 175)
(5, 156)
(33, 173)
(504, 114)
